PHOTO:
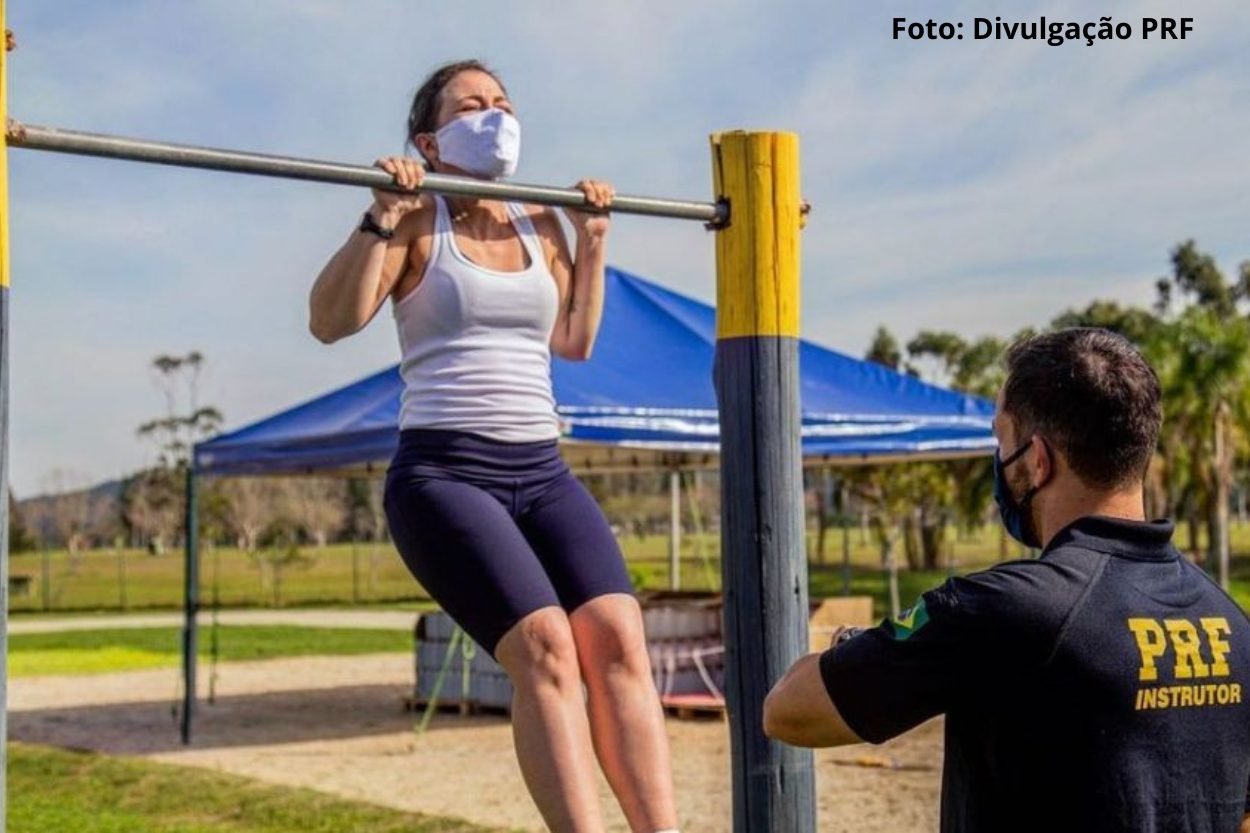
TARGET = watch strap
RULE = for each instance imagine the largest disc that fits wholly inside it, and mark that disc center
(370, 225)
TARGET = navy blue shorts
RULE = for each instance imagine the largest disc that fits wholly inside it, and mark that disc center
(494, 531)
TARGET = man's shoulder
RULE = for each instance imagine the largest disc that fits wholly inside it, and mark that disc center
(1034, 592)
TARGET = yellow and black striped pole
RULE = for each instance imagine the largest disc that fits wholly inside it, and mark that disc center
(4, 427)
(757, 389)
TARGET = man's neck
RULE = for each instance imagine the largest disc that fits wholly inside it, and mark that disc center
(1072, 504)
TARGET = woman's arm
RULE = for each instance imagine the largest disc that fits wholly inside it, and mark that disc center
(580, 273)
(353, 285)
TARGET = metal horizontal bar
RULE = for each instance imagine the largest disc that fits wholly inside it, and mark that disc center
(57, 140)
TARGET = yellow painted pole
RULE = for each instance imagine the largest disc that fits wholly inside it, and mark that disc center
(4, 425)
(757, 385)
(757, 254)
(4, 154)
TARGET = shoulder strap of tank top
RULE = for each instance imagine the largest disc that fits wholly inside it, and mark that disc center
(442, 227)
(529, 236)
(442, 217)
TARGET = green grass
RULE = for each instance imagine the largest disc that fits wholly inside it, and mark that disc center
(867, 578)
(134, 580)
(54, 790)
(129, 649)
(344, 574)
(373, 574)
(823, 581)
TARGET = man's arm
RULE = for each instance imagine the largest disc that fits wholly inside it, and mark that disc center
(879, 683)
(799, 711)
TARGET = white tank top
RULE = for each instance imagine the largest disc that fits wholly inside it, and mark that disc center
(476, 342)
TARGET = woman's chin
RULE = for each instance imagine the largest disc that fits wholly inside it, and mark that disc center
(452, 170)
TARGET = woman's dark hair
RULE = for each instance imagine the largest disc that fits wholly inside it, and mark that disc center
(1091, 393)
(424, 110)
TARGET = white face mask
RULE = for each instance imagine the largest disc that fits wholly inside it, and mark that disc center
(486, 143)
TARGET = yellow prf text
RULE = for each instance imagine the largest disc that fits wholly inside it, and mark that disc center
(1175, 647)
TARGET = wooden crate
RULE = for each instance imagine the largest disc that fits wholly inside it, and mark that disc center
(830, 614)
(693, 706)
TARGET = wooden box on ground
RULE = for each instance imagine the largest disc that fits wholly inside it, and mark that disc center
(829, 614)
(685, 640)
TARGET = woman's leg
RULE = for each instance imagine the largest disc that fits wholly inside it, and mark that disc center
(626, 720)
(575, 544)
(464, 547)
(549, 723)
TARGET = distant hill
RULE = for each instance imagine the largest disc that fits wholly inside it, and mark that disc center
(98, 509)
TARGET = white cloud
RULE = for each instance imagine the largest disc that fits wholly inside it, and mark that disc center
(973, 186)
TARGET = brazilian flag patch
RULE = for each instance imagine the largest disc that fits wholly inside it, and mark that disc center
(909, 621)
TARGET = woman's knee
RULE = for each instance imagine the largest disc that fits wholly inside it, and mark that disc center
(540, 651)
(610, 639)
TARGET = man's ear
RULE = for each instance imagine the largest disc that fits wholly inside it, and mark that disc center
(1044, 462)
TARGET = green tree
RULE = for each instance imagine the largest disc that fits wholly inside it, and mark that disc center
(1197, 278)
(1203, 360)
(280, 553)
(913, 503)
(153, 500)
(884, 349)
(20, 537)
(1139, 326)
(1205, 351)
(973, 367)
(1197, 338)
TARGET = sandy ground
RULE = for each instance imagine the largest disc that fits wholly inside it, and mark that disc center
(336, 725)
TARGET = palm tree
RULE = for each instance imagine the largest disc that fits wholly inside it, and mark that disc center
(1203, 361)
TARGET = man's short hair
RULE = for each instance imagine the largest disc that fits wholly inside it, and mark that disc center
(1090, 393)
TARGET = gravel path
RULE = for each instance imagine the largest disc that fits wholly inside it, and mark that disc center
(336, 725)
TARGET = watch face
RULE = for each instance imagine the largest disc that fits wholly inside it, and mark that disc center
(849, 633)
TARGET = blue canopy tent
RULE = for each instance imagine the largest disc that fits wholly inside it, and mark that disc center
(644, 400)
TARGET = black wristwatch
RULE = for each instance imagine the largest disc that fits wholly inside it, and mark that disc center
(847, 633)
(367, 223)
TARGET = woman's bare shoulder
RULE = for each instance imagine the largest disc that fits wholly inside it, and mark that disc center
(543, 217)
(419, 222)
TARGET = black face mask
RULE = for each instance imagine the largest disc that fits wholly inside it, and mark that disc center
(1015, 513)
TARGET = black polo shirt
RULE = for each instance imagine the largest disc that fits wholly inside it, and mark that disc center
(1102, 687)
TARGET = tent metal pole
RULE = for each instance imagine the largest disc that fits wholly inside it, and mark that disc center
(190, 605)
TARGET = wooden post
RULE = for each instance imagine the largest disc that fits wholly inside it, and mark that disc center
(674, 530)
(123, 600)
(763, 564)
(355, 571)
(1222, 471)
(4, 429)
(844, 513)
(891, 565)
(826, 509)
(45, 574)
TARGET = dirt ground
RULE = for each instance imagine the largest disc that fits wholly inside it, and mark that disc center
(336, 725)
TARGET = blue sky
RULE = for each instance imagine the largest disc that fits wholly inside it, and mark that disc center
(972, 186)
